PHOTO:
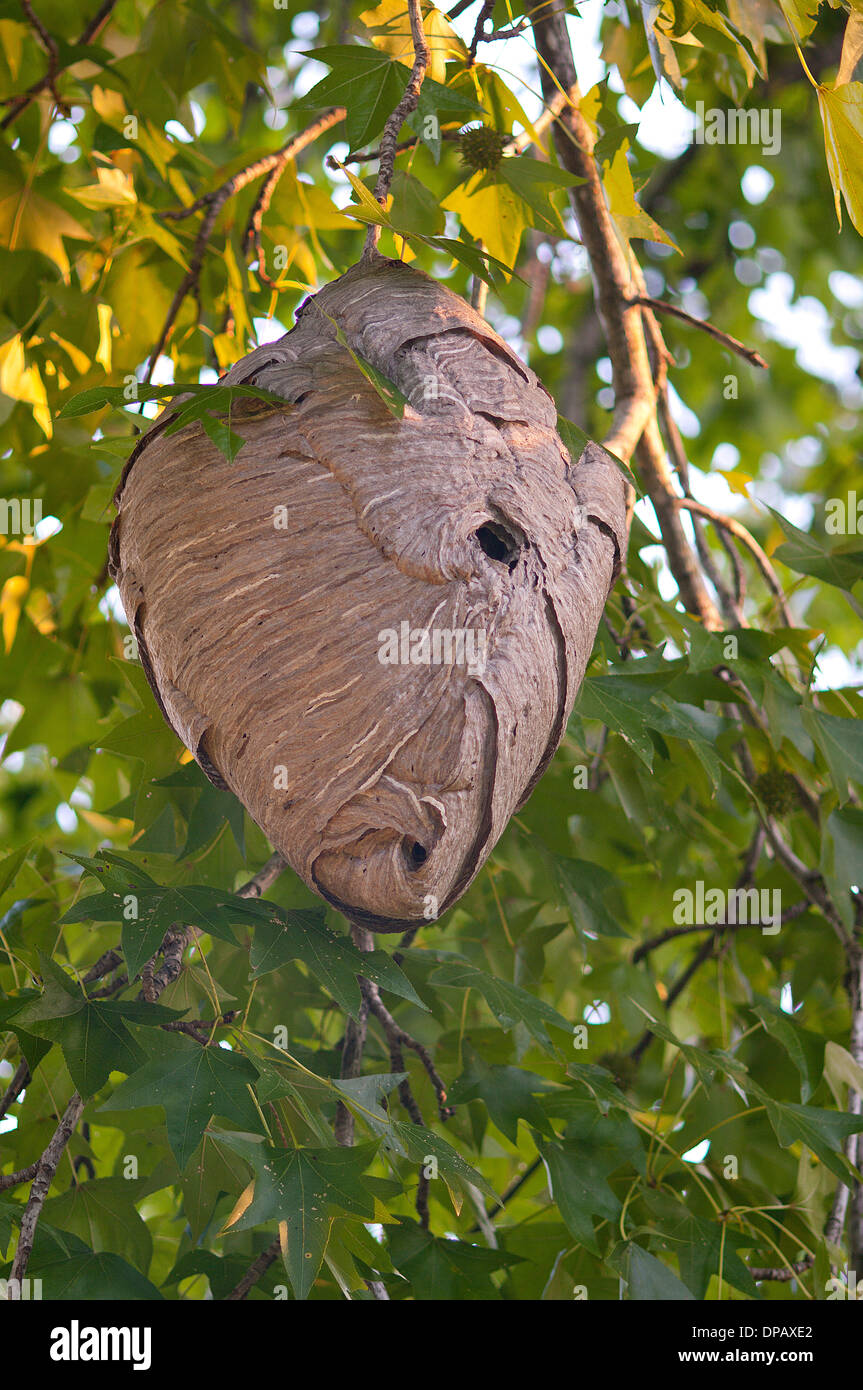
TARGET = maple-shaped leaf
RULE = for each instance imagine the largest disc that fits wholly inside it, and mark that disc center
(302, 1188)
(191, 1084)
(92, 1034)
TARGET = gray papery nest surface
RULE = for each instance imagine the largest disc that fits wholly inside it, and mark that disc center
(371, 629)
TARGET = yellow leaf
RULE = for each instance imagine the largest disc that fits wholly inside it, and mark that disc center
(12, 598)
(737, 481)
(103, 356)
(660, 1124)
(80, 361)
(390, 27)
(632, 220)
(28, 220)
(243, 1201)
(40, 612)
(842, 114)
(589, 105)
(23, 383)
(852, 48)
(492, 214)
(114, 189)
(11, 42)
(105, 826)
(108, 104)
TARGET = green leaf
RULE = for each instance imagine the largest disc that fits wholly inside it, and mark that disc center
(601, 698)
(706, 1064)
(300, 934)
(420, 1144)
(96, 1278)
(576, 441)
(841, 743)
(509, 1003)
(92, 1034)
(365, 81)
(191, 1084)
(210, 811)
(805, 1049)
(822, 1131)
(533, 181)
(588, 890)
(103, 1212)
(9, 868)
(303, 1188)
(647, 1278)
(577, 1185)
(509, 1094)
(146, 914)
(444, 1269)
(807, 555)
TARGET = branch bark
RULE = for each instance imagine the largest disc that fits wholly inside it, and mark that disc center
(46, 1169)
(617, 281)
(406, 106)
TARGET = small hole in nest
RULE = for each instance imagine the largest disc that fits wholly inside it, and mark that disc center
(498, 544)
(415, 853)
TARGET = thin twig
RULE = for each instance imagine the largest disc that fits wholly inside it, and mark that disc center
(784, 1276)
(15, 1179)
(212, 204)
(728, 523)
(396, 1034)
(264, 878)
(662, 306)
(92, 30)
(47, 1167)
(15, 1087)
(397, 119)
(353, 1043)
(673, 933)
(255, 1271)
(484, 15)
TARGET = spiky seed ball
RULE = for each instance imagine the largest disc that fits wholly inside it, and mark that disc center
(481, 148)
(777, 791)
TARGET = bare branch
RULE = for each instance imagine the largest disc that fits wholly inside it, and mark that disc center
(213, 203)
(264, 878)
(92, 30)
(15, 1087)
(255, 1271)
(15, 1179)
(46, 1169)
(662, 306)
(735, 528)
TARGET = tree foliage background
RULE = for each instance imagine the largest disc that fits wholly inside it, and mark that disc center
(634, 1106)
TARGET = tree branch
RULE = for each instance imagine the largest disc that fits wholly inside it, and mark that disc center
(617, 280)
(662, 306)
(46, 1169)
(92, 31)
(395, 121)
(214, 201)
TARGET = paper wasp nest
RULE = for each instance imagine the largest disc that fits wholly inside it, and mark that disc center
(372, 629)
